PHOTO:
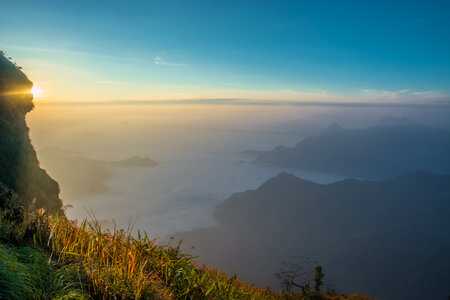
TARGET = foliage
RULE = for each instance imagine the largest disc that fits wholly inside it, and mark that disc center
(318, 278)
(117, 265)
(2, 53)
(25, 274)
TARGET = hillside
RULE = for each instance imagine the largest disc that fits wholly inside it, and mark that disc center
(393, 147)
(392, 233)
(19, 166)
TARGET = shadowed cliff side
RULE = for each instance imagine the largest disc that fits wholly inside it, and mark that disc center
(19, 167)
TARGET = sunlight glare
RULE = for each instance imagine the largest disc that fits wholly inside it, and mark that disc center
(36, 91)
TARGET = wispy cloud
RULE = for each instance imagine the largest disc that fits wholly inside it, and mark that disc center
(159, 60)
(49, 50)
(404, 96)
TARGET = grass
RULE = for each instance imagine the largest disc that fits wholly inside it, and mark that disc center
(26, 274)
(54, 258)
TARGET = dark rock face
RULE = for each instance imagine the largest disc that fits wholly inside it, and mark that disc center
(19, 167)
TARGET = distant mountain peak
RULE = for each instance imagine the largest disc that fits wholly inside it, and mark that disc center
(334, 126)
(285, 175)
(135, 161)
(284, 178)
(389, 121)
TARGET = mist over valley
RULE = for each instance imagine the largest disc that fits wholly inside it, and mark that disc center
(188, 188)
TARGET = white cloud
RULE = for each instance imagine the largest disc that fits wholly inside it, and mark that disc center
(159, 60)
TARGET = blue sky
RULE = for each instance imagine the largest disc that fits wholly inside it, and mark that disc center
(294, 50)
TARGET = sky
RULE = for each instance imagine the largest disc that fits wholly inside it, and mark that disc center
(319, 51)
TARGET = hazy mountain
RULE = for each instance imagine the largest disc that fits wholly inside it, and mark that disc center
(134, 161)
(393, 147)
(389, 239)
(79, 175)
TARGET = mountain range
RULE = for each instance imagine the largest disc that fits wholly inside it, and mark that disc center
(393, 147)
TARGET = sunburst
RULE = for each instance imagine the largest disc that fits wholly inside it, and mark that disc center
(36, 91)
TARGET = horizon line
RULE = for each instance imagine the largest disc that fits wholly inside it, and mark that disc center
(244, 102)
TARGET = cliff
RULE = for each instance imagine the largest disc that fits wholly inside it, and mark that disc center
(19, 166)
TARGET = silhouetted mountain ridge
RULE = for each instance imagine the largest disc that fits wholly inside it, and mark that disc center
(393, 147)
(387, 231)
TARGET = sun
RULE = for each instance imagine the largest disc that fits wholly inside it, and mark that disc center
(36, 91)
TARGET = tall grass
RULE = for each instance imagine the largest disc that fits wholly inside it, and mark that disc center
(118, 265)
(26, 274)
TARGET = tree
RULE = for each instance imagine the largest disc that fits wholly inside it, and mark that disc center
(296, 275)
(318, 278)
(302, 275)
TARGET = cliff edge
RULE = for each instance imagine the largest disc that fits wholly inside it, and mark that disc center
(19, 166)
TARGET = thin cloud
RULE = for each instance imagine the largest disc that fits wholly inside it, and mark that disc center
(159, 60)
(404, 95)
(49, 50)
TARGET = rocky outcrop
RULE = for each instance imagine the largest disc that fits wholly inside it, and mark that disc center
(19, 166)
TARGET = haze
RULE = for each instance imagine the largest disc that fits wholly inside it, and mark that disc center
(197, 148)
